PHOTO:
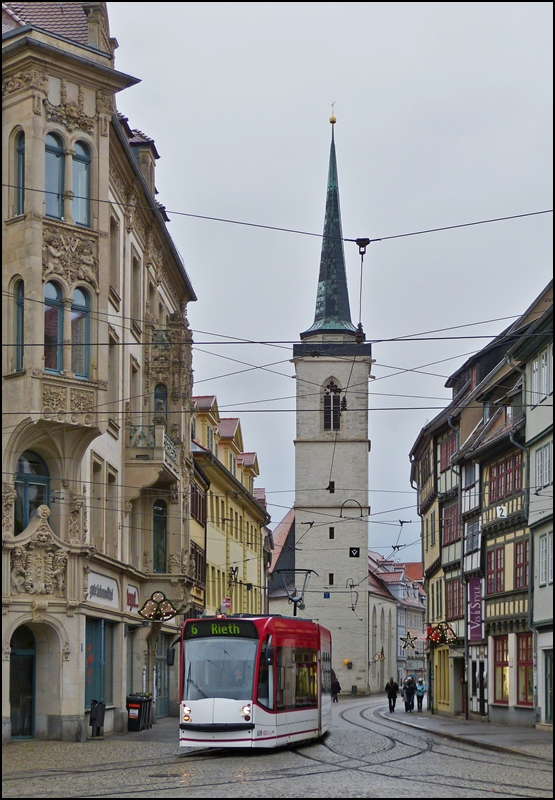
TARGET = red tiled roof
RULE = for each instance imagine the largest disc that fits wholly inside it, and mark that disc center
(65, 19)
(260, 497)
(247, 459)
(376, 586)
(204, 401)
(413, 570)
(391, 577)
(228, 427)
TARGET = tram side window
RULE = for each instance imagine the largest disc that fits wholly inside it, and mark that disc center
(296, 677)
(306, 684)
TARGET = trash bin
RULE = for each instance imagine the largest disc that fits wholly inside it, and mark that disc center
(138, 712)
(96, 718)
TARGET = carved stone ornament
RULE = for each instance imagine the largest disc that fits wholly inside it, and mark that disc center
(185, 597)
(66, 651)
(71, 115)
(33, 78)
(39, 609)
(77, 502)
(117, 182)
(104, 102)
(81, 401)
(174, 563)
(9, 495)
(54, 399)
(6, 650)
(72, 255)
(71, 606)
(39, 566)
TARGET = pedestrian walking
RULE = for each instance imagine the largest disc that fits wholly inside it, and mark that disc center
(408, 693)
(391, 689)
(335, 690)
(420, 691)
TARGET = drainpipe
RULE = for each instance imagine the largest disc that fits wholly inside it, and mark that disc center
(457, 470)
(531, 626)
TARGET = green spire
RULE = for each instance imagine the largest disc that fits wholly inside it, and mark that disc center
(333, 314)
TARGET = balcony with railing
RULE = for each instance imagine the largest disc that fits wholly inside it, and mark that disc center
(152, 457)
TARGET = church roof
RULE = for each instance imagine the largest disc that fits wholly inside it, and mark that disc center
(333, 314)
(280, 534)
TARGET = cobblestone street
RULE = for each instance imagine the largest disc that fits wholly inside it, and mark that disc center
(368, 754)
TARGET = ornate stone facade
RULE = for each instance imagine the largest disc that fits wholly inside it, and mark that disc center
(39, 567)
(72, 255)
(69, 405)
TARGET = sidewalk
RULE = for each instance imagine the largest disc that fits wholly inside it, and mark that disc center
(505, 738)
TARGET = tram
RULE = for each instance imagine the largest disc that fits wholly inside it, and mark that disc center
(253, 681)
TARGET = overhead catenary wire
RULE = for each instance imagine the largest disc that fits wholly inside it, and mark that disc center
(278, 228)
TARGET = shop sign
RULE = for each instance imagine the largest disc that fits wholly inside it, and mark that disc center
(474, 610)
(103, 591)
(131, 598)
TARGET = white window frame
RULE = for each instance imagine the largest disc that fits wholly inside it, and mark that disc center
(543, 560)
(550, 557)
(535, 382)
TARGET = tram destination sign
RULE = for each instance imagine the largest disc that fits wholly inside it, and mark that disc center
(203, 628)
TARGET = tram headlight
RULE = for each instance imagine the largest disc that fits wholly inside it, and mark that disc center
(246, 711)
(186, 714)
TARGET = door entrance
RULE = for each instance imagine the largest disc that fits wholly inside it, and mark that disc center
(482, 688)
(22, 683)
(162, 677)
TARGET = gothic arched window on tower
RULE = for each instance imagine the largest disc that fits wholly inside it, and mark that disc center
(332, 407)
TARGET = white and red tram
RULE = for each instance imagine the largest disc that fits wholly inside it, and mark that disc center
(248, 681)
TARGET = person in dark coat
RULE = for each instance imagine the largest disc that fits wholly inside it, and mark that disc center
(409, 688)
(335, 690)
(391, 689)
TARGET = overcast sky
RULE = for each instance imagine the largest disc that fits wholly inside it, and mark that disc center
(443, 117)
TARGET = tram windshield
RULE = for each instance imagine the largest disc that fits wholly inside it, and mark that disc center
(222, 667)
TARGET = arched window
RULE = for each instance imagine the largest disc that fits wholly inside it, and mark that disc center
(159, 536)
(53, 327)
(19, 319)
(161, 401)
(82, 185)
(80, 333)
(332, 407)
(54, 177)
(32, 485)
(20, 173)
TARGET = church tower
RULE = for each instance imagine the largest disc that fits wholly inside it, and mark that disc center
(332, 366)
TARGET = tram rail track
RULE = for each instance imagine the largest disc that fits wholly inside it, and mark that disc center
(391, 746)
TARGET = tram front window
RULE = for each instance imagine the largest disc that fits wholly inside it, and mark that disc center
(222, 667)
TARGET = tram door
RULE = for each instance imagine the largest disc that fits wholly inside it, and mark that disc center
(549, 686)
(162, 677)
(22, 683)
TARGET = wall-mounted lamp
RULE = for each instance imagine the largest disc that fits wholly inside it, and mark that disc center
(348, 664)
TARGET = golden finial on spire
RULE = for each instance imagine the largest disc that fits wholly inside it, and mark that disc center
(333, 118)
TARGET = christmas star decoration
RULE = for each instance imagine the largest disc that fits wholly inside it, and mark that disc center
(408, 641)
